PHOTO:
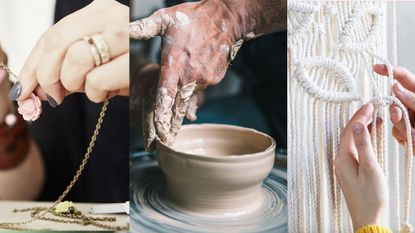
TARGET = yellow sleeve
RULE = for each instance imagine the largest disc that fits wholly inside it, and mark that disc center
(373, 229)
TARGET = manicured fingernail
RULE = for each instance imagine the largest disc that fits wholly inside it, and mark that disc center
(378, 66)
(400, 88)
(15, 91)
(357, 128)
(52, 102)
(379, 120)
(394, 116)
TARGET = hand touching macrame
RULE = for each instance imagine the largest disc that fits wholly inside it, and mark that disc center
(359, 174)
(404, 90)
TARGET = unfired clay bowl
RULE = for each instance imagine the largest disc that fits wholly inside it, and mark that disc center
(217, 169)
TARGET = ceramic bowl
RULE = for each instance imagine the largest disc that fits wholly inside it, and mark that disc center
(216, 169)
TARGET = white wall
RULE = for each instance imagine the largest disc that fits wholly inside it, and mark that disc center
(22, 22)
(406, 34)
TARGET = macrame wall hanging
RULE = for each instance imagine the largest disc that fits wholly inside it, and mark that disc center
(332, 47)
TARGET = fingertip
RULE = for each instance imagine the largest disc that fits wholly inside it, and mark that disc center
(380, 69)
(146, 28)
(52, 102)
(367, 110)
(398, 90)
(191, 116)
(15, 91)
(395, 114)
(379, 122)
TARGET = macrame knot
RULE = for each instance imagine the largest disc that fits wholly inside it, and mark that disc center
(320, 29)
(381, 101)
(302, 7)
(339, 71)
(330, 10)
(303, 15)
(346, 39)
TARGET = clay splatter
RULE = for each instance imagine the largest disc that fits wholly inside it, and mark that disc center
(223, 27)
(182, 18)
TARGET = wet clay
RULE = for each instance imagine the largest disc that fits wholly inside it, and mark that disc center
(217, 170)
(163, 114)
(181, 107)
(169, 114)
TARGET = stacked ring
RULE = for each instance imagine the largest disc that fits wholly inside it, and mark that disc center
(99, 48)
(94, 51)
(102, 46)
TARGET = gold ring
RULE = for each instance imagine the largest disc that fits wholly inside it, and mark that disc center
(102, 46)
(94, 51)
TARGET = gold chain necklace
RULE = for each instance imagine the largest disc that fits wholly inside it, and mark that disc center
(39, 213)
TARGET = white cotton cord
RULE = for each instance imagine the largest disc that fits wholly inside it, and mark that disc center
(331, 176)
(317, 165)
(314, 172)
(396, 151)
(336, 143)
(303, 11)
(305, 169)
(332, 48)
(347, 34)
(386, 101)
(312, 89)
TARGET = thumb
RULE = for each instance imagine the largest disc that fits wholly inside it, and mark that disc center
(149, 27)
(363, 144)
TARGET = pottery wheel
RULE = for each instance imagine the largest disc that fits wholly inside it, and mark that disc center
(151, 212)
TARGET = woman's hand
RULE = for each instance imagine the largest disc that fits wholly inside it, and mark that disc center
(62, 63)
(404, 90)
(359, 174)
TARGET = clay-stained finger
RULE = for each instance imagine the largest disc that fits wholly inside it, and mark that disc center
(147, 121)
(145, 84)
(163, 114)
(180, 107)
(151, 26)
(192, 108)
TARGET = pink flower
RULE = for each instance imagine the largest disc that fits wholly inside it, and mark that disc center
(30, 108)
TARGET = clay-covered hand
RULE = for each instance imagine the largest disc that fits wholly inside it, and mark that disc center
(404, 89)
(62, 62)
(198, 42)
(359, 174)
(197, 38)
